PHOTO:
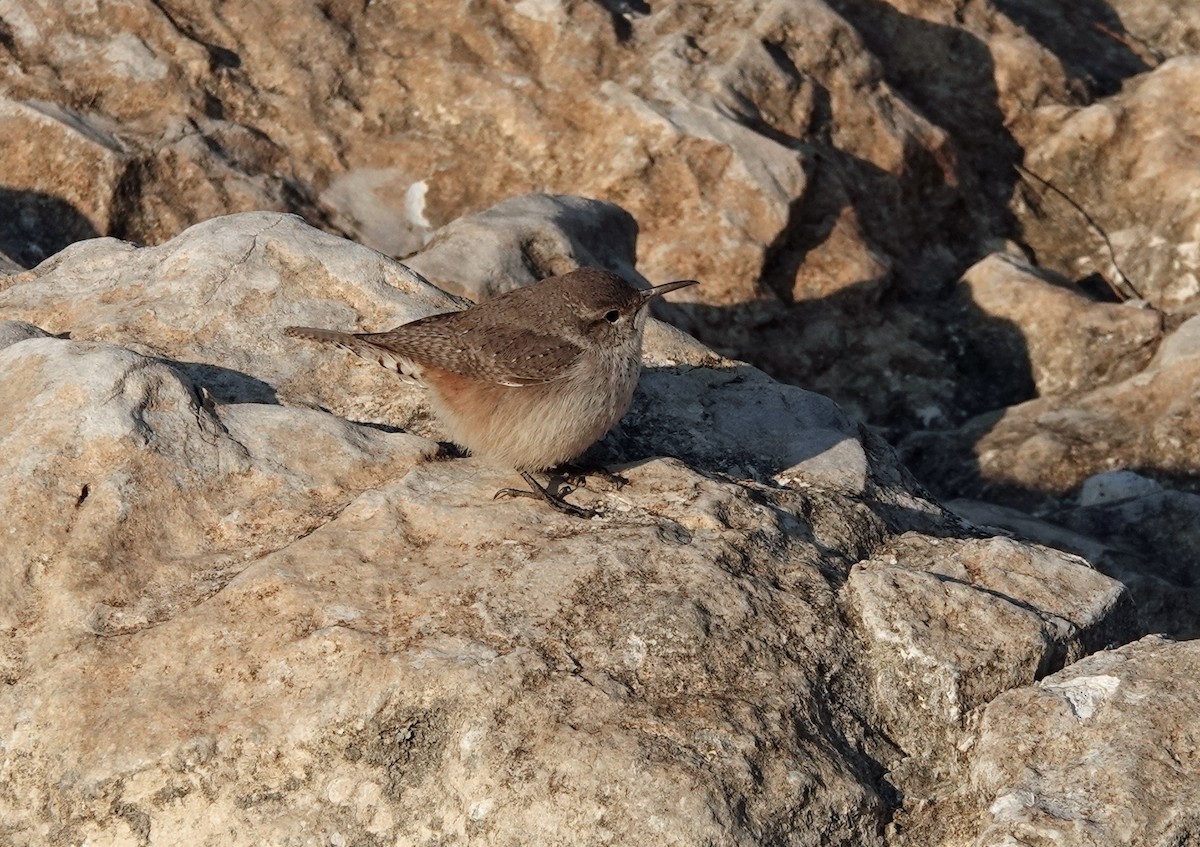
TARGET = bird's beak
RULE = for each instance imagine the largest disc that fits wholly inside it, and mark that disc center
(658, 290)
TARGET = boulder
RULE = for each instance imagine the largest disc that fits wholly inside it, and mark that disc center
(808, 161)
(1127, 162)
(1003, 614)
(524, 239)
(1026, 325)
(1083, 757)
(65, 179)
(1146, 542)
(231, 615)
(1035, 454)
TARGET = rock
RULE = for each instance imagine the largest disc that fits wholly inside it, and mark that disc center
(1011, 332)
(106, 290)
(321, 630)
(66, 178)
(8, 266)
(1081, 758)
(1037, 453)
(1161, 528)
(827, 169)
(525, 239)
(143, 499)
(1114, 486)
(931, 665)
(1166, 28)
(788, 154)
(13, 331)
(1131, 169)
(383, 207)
(1024, 325)
(1147, 547)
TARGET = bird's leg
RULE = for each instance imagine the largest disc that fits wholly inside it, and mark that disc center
(540, 493)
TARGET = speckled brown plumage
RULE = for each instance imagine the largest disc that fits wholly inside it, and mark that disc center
(527, 380)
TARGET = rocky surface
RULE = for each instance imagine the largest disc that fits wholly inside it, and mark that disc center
(1080, 758)
(972, 225)
(1069, 460)
(524, 239)
(1147, 541)
(1121, 158)
(1042, 449)
(324, 630)
(828, 169)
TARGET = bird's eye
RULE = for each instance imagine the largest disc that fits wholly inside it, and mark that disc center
(612, 317)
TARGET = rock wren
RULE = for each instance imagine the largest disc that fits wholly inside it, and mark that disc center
(527, 380)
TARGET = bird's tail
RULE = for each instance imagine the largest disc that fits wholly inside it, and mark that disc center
(359, 345)
(329, 336)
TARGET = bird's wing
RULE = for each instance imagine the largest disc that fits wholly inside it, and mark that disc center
(497, 354)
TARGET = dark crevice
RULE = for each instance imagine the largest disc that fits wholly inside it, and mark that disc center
(620, 12)
(219, 58)
(6, 37)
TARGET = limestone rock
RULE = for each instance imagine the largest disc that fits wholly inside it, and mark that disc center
(828, 169)
(1115, 486)
(525, 239)
(1025, 324)
(65, 179)
(233, 621)
(931, 665)
(13, 331)
(106, 290)
(785, 153)
(1161, 528)
(1147, 545)
(131, 497)
(1132, 166)
(1031, 454)
(8, 266)
(1167, 27)
(1082, 758)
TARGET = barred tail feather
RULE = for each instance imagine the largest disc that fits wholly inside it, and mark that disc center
(314, 334)
(360, 346)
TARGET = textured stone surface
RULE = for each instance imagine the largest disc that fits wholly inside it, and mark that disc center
(8, 266)
(64, 180)
(841, 176)
(1147, 543)
(526, 239)
(827, 169)
(809, 161)
(322, 630)
(1024, 324)
(1045, 448)
(176, 301)
(1130, 159)
(1002, 615)
(1084, 757)
(1160, 530)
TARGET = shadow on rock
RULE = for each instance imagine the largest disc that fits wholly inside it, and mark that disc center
(224, 384)
(752, 431)
(1087, 36)
(900, 369)
(35, 226)
(949, 74)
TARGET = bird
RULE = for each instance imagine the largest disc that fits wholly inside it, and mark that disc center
(527, 380)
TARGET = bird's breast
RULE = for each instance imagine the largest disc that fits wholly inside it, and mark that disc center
(536, 426)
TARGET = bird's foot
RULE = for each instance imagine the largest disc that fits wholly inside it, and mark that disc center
(578, 476)
(540, 493)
